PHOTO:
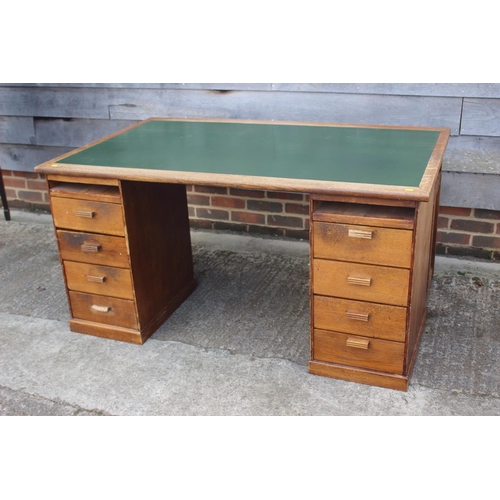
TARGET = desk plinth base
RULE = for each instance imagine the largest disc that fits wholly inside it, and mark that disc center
(106, 331)
(131, 335)
(361, 376)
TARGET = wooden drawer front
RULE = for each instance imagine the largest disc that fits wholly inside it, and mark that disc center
(106, 310)
(91, 216)
(360, 318)
(345, 349)
(101, 280)
(92, 192)
(365, 244)
(387, 285)
(93, 248)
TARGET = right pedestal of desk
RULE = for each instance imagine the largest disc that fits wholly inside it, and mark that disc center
(371, 266)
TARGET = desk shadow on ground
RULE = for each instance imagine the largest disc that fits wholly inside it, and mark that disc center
(255, 304)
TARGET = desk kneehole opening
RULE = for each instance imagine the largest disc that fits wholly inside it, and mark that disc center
(357, 343)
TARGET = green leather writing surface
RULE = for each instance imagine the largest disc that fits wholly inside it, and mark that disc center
(394, 157)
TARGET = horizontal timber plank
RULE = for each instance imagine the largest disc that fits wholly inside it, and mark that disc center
(481, 117)
(24, 158)
(483, 90)
(475, 155)
(17, 130)
(139, 104)
(338, 108)
(76, 132)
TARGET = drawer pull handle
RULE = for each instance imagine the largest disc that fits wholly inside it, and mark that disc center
(90, 247)
(87, 214)
(101, 309)
(96, 279)
(357, 343)
(356, 280)
(357, 316)
(359, 233)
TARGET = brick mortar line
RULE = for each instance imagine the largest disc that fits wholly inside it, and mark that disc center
(470, 218)
(249, 198)
(459, 231)
(247, 210)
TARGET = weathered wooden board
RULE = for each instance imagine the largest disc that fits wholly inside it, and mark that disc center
(16, 130)
(74, 132)
(481, 117)
(63, 103)
(137, 104)
(471, 190)
(402, 89)
(294, 106)
(480, 155)
(26, 158)
(185, 86)
(473, 90)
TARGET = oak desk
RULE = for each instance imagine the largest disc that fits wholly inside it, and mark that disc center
(120, 214)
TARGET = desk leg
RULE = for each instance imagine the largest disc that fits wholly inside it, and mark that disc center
(157, 226)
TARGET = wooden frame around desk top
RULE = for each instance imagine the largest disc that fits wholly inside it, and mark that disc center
(404, 193)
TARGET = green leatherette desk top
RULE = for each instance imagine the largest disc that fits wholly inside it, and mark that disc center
(200, 151)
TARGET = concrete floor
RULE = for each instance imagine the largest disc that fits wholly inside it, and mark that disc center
(238, 346)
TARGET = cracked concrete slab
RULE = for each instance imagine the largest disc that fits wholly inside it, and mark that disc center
(172, 378)
(19, 404)
(238, 346)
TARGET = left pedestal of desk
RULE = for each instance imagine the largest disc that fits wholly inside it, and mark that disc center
(126, 253)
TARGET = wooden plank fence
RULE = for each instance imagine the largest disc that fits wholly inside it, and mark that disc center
(40, 121)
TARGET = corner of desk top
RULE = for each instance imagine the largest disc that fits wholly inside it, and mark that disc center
(44, 168)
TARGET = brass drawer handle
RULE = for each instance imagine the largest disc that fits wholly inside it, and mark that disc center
(96, 279)
(87, 214)
(360, 233)
(357, 343)
(357, 316)
(90, 247)
(102, 309)
(356, 280)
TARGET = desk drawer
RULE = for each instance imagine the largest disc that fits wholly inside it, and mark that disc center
(99, 309)
(362, 352)
(100, 280)
(93, 248)
(360, 318)
(364, 244)
(386, 285)
(91, 216)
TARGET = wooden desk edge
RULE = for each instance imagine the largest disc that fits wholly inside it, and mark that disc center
(420, 193)
(235, 180)
(434, 166)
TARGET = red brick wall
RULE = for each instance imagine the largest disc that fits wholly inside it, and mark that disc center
(461, 231)
(469, 232)
(281, 214)
(25, 189)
